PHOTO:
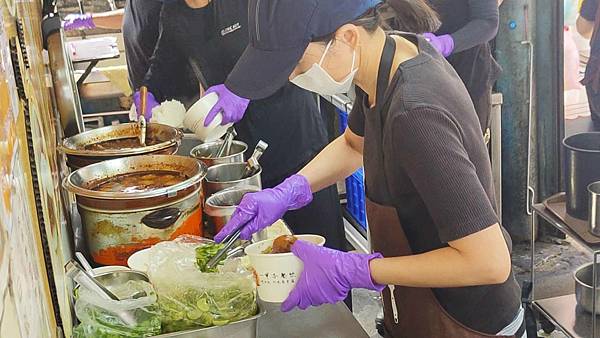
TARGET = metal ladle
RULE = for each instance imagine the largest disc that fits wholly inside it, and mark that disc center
(252, 165)
(141, 115)
(74, 271)
(84, 262)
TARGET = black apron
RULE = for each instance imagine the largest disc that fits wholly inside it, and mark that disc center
(408, 312)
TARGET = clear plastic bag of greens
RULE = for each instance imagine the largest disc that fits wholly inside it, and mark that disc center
(136, 315)
(189, 298)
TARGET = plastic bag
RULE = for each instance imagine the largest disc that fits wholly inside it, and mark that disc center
(571, 61)
(137, 315)
(189, 298)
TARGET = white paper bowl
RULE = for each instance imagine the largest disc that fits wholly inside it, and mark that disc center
(139, 260)
(277, 273)
(195, 116)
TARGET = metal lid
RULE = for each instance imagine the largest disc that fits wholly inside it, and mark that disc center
(80, 181)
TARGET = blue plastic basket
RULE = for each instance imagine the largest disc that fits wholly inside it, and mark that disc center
(355, 197)
(343, 118)
(355, 185)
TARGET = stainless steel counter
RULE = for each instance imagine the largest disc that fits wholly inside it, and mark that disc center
(327, 321)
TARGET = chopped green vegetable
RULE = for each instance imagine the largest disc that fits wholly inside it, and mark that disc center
(100, 318)
(190, 308)
(205, 252)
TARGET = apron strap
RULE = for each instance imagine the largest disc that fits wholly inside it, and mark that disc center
(383, 74)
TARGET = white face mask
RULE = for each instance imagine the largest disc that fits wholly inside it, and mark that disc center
(317, 80)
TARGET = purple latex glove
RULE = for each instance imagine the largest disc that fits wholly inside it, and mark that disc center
(328, 276)
(261, 209)
(150, 104)
(78, 21)
(231, 106)
(443, 43)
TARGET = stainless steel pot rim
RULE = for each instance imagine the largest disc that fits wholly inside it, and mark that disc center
(212, 209)
(152, 208)
(594, 187)
(215, 167)
(65, 148)
(581, 268)
(245, 189)
(570, 147)
(171, 190)
(195, 149)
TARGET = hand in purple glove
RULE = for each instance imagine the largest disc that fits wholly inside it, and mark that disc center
(78, 21)
(150, 104)
(443, 43)
(261, 209)
(231, 106)
(328, 276)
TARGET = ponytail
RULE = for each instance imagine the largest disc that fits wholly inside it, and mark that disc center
(414, 16)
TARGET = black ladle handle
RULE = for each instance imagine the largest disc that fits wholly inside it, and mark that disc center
(161, 219)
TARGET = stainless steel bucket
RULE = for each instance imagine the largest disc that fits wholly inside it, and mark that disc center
(594, 208)
(205, 152)
(583, 287)
(228, 175)
(220, 206)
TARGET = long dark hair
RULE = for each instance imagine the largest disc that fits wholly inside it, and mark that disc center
(413, 16)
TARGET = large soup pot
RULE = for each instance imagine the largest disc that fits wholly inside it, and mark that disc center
(582, 167)
(160, 139)
(117, 224)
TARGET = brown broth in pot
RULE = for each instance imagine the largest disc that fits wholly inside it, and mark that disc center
(140, 181)
(123, 143)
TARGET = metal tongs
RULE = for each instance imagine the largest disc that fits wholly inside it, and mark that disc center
(228, 242)
(141, 116)
(252, 165)
(225, 148)
(83, 278)
(74, 271)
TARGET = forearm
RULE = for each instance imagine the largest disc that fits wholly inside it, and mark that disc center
(109, 20)
(487, 262)
(585, 28)
(482, 27)
(334, 163)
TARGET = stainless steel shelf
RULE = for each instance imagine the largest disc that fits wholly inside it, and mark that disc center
(563, 311)
(567, 316)
(543, 212)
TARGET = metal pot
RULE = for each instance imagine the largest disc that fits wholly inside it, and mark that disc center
(220, 206)
(117, 224)
(228, 175)
(165, 140)
(204, 151)
(583, 287)
(582, 163)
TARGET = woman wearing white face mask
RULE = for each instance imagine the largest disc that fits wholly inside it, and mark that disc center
(437, 239)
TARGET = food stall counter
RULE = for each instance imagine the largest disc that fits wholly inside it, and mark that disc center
(326, 321)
